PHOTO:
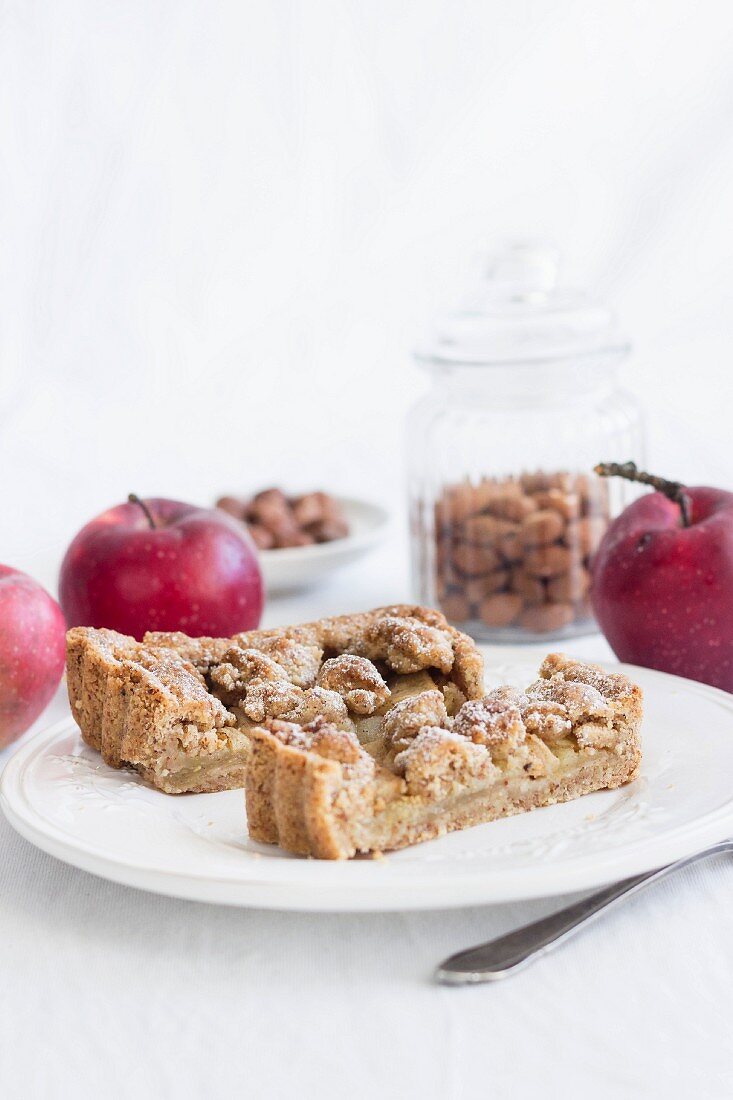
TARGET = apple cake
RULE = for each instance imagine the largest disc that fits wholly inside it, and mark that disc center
(326, 790)
(182, 711)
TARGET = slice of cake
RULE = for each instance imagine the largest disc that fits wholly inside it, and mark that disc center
(181, 711)
(316, 790)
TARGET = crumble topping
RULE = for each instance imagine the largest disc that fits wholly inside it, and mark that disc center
(490, 722)
(581, 701)
(300, 662)
(323, 738)
(242, 667)
(554, 708)
(289, 733)
(544, 716)
(155, 703)
(612, 686)
(357, 681)
(505, 731)
(336, 744)
(319, 702)
(286, 678)
(281, 699)
(513, 729)
(407, 644)
(438, 763)
(261, 686)
(271, 699)
(180, 676)
(405, 719)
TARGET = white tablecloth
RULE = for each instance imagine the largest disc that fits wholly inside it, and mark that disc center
(110, 992)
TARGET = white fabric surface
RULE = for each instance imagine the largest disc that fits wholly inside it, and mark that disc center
(108, 991)
(212, 211)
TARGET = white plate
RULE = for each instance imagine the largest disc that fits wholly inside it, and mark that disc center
(59, 795)
(296, 567)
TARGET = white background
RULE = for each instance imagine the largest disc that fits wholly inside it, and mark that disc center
(224, 225)
(222, 228)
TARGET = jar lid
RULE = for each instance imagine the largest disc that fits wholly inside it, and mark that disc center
(516, 313)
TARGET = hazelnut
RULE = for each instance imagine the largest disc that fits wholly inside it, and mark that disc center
(262, 538)
(233, 506)
(271, 513)
(328, 529)
(477, 588)
(542, 527)
(442, 589)
(312, 508)
(474, 561)
(508, 541)
(292, 537)
(512, 550)
(567, 504)
(542, 619)
(584, 485)
(480, 529)
(512, 504)
(461, 503)
(548, 561)
(531, 589)
(456, 607)
(485, 493)
(274, 521)
(501, 609)
(269, 499)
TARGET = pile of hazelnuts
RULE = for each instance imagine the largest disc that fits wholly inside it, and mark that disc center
(515, 552)
(275, 520)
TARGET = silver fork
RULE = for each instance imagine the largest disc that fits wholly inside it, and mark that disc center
(506, 955)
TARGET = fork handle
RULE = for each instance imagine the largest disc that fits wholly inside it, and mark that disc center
(504, 956)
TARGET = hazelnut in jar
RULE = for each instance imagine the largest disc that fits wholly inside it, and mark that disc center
(515, 552)
(506, 511)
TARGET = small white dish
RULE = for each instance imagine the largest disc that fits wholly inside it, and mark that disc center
(59, 795)
(295, 567)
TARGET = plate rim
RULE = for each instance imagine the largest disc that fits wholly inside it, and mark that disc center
(469, 887)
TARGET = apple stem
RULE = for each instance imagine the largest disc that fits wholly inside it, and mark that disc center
(133, 498)
(673, 490)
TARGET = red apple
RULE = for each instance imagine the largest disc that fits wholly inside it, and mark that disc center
(663, 581)
(32, 651)
(162, 565)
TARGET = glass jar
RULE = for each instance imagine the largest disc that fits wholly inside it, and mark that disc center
(506, 510)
